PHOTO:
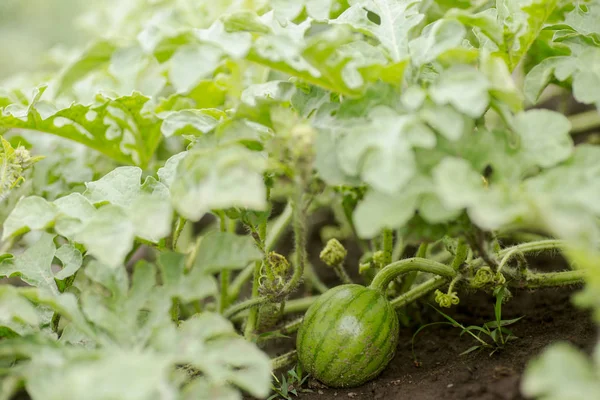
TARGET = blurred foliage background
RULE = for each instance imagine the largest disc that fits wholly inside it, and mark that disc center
(30, 28)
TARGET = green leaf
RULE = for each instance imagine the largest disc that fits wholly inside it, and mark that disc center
(16, 313)
(545, 139)
(189, 122)
(218, 179)
(127, 209)
(436, 38)
(287, 10)
(71, 260)
(235, 44)
(222, 250)
(126, 373)
(195, 285)
(96, 55)
(540, 76)
(378, 149)
(397, 20)
(118, 128)
(208, 343)
(382, 210)
(202, 389)
(30, 213)
(523, 21)
(146, 204)
(108, 235)
(191, 63)
(447, 121)
(457, 184)
(34, 265)
(463, 87)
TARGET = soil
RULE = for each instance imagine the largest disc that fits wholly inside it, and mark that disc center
(444, 374)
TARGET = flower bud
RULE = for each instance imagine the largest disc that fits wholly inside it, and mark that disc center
(275, 274)
(334, 253)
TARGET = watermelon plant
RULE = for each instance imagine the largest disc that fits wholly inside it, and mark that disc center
(162, 186)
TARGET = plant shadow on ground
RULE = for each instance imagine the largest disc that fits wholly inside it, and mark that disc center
(548, 316)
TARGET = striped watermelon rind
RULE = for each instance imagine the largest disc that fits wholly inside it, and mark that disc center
(349, 335)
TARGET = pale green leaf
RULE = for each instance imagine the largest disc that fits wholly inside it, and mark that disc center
(189, 122)
(545, 139)
(540, 76)
(16, 313)
(119, 187)
(30, 213)
(272, 91)
(108, 235)
(235, 44)
(202, 389)
(167, 173)
(457, 184)
(96, 55)
(63, 303)
(71, 260)
(378, 150)
(398, 19)
(523, 21)
(382, 210)
(223, 250)
(436, 38)
(125, 373)
(207, 342)
(561, 372)
(194, 285)
(379, 210)
(463, 87)
(218, 179)
(447, 121)
(34, 265)
(192, 63)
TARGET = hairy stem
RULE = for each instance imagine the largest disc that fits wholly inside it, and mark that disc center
(340, 271)
(225, 274)
(419, 291)
(252, 321)
(387, 246)
(546, 279)
(299, 224)
(462, 251)
(284, 360)
(398, 248)
(584, 122)
(389, 273)
(410, 278)
(277, 230)
(244, 305)
(314, 279)
(288, 328)
(526, 248)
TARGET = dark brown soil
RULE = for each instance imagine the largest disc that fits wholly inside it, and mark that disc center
(548, 316)
(444, 374)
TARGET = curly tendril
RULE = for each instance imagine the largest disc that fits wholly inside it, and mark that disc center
(446, 300)
(485, 276)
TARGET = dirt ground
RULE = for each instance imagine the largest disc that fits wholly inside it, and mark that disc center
(444, 374)
(548, 316)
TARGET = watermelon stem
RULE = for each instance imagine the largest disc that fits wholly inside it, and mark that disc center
(419, 291)
(284, 360)
(393, 270)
